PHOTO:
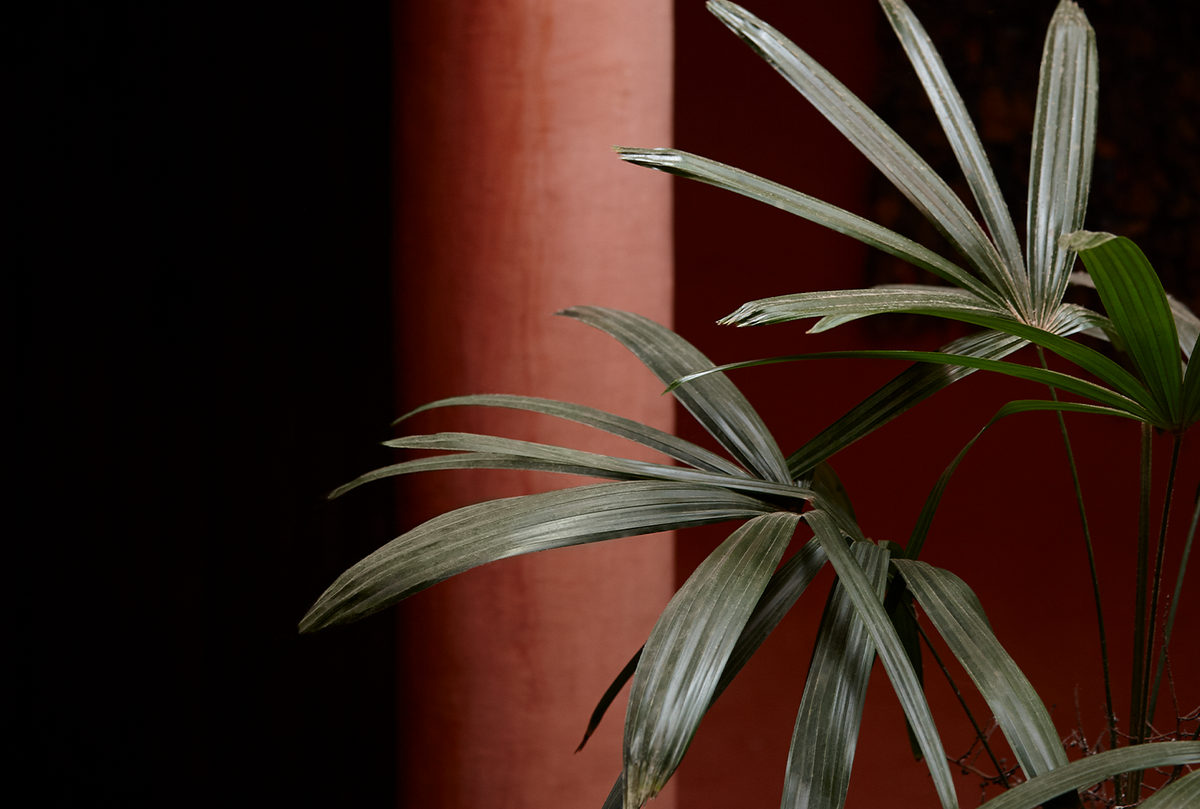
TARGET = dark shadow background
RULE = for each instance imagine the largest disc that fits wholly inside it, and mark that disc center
(229, 356)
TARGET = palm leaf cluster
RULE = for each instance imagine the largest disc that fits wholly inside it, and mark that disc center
(736, 597)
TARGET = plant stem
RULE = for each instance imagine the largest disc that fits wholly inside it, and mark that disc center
(1151, 698)
(1137, 708)
(1091, 555)
(954, 686)
(1183, 562)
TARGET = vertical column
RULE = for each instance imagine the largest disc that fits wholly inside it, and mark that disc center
(511, 207)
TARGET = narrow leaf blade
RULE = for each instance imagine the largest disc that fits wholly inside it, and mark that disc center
(964, 140)
(1092, 769)
(689, 646)
(827, 724)
(891, 653)
(876, 140)
(718, 404)
(468, 537)
(956, 612)
(1064, 144)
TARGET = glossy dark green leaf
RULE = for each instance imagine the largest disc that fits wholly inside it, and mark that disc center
(890, 650)
(718, 405)
(1137, 305)
(827, 724)
(1093, 769)
(468, 537)
(959, 618)
(688, 648)
(1064, 144)
(635, 431)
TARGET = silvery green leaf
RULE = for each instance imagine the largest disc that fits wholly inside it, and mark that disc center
(694, 167)
(687, 650)
(1182, 794)
(958, 616)
(827, 724)
(1064, 142)
(943, 301)
(716, 404)
(643, 434)
(876, 140)
(1093, 769)
(891, 652)
(964, 140)
(468, 537)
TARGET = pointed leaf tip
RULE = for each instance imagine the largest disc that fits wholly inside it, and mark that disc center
(1082, 240)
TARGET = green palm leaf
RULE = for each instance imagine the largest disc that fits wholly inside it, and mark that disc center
(956, 612)
(827, 724)
(1182, 794)
(635, 431)
(911, 387)
(786, 585)
(964, 141)
(1093, 769)
(891, 652)
(718, 405)
(694, 167)
(876, 140)
(1064, 143)
(468, 537)
(946, 301)
(688, 648)
(494, 452)
(1137, 305)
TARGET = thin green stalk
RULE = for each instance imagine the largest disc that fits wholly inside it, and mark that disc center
(1137, 708)
(954, 686)
(1151, 698)
(1187, 551)
(1091, 555)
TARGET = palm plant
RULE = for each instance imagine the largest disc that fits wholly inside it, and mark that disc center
(736, 597)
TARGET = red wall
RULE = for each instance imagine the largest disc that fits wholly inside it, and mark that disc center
(500, 228)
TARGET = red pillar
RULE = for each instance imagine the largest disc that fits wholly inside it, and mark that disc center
(511, 207)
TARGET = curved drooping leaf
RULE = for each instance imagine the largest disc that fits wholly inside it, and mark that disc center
(911, 387)
(786, 585)
(925, 520)
(718, 405)
(862, 302)
(670, 445)
(827, 724)
(964, 141)
(468, 537)
(694, 167)
(1182, 794)
(956, 612)
(1119, 404)
(891, 653)
(493, 452)
(1064, 143)
(875, 139)
(688, 648)
(1137, 305)
(1093, 769)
